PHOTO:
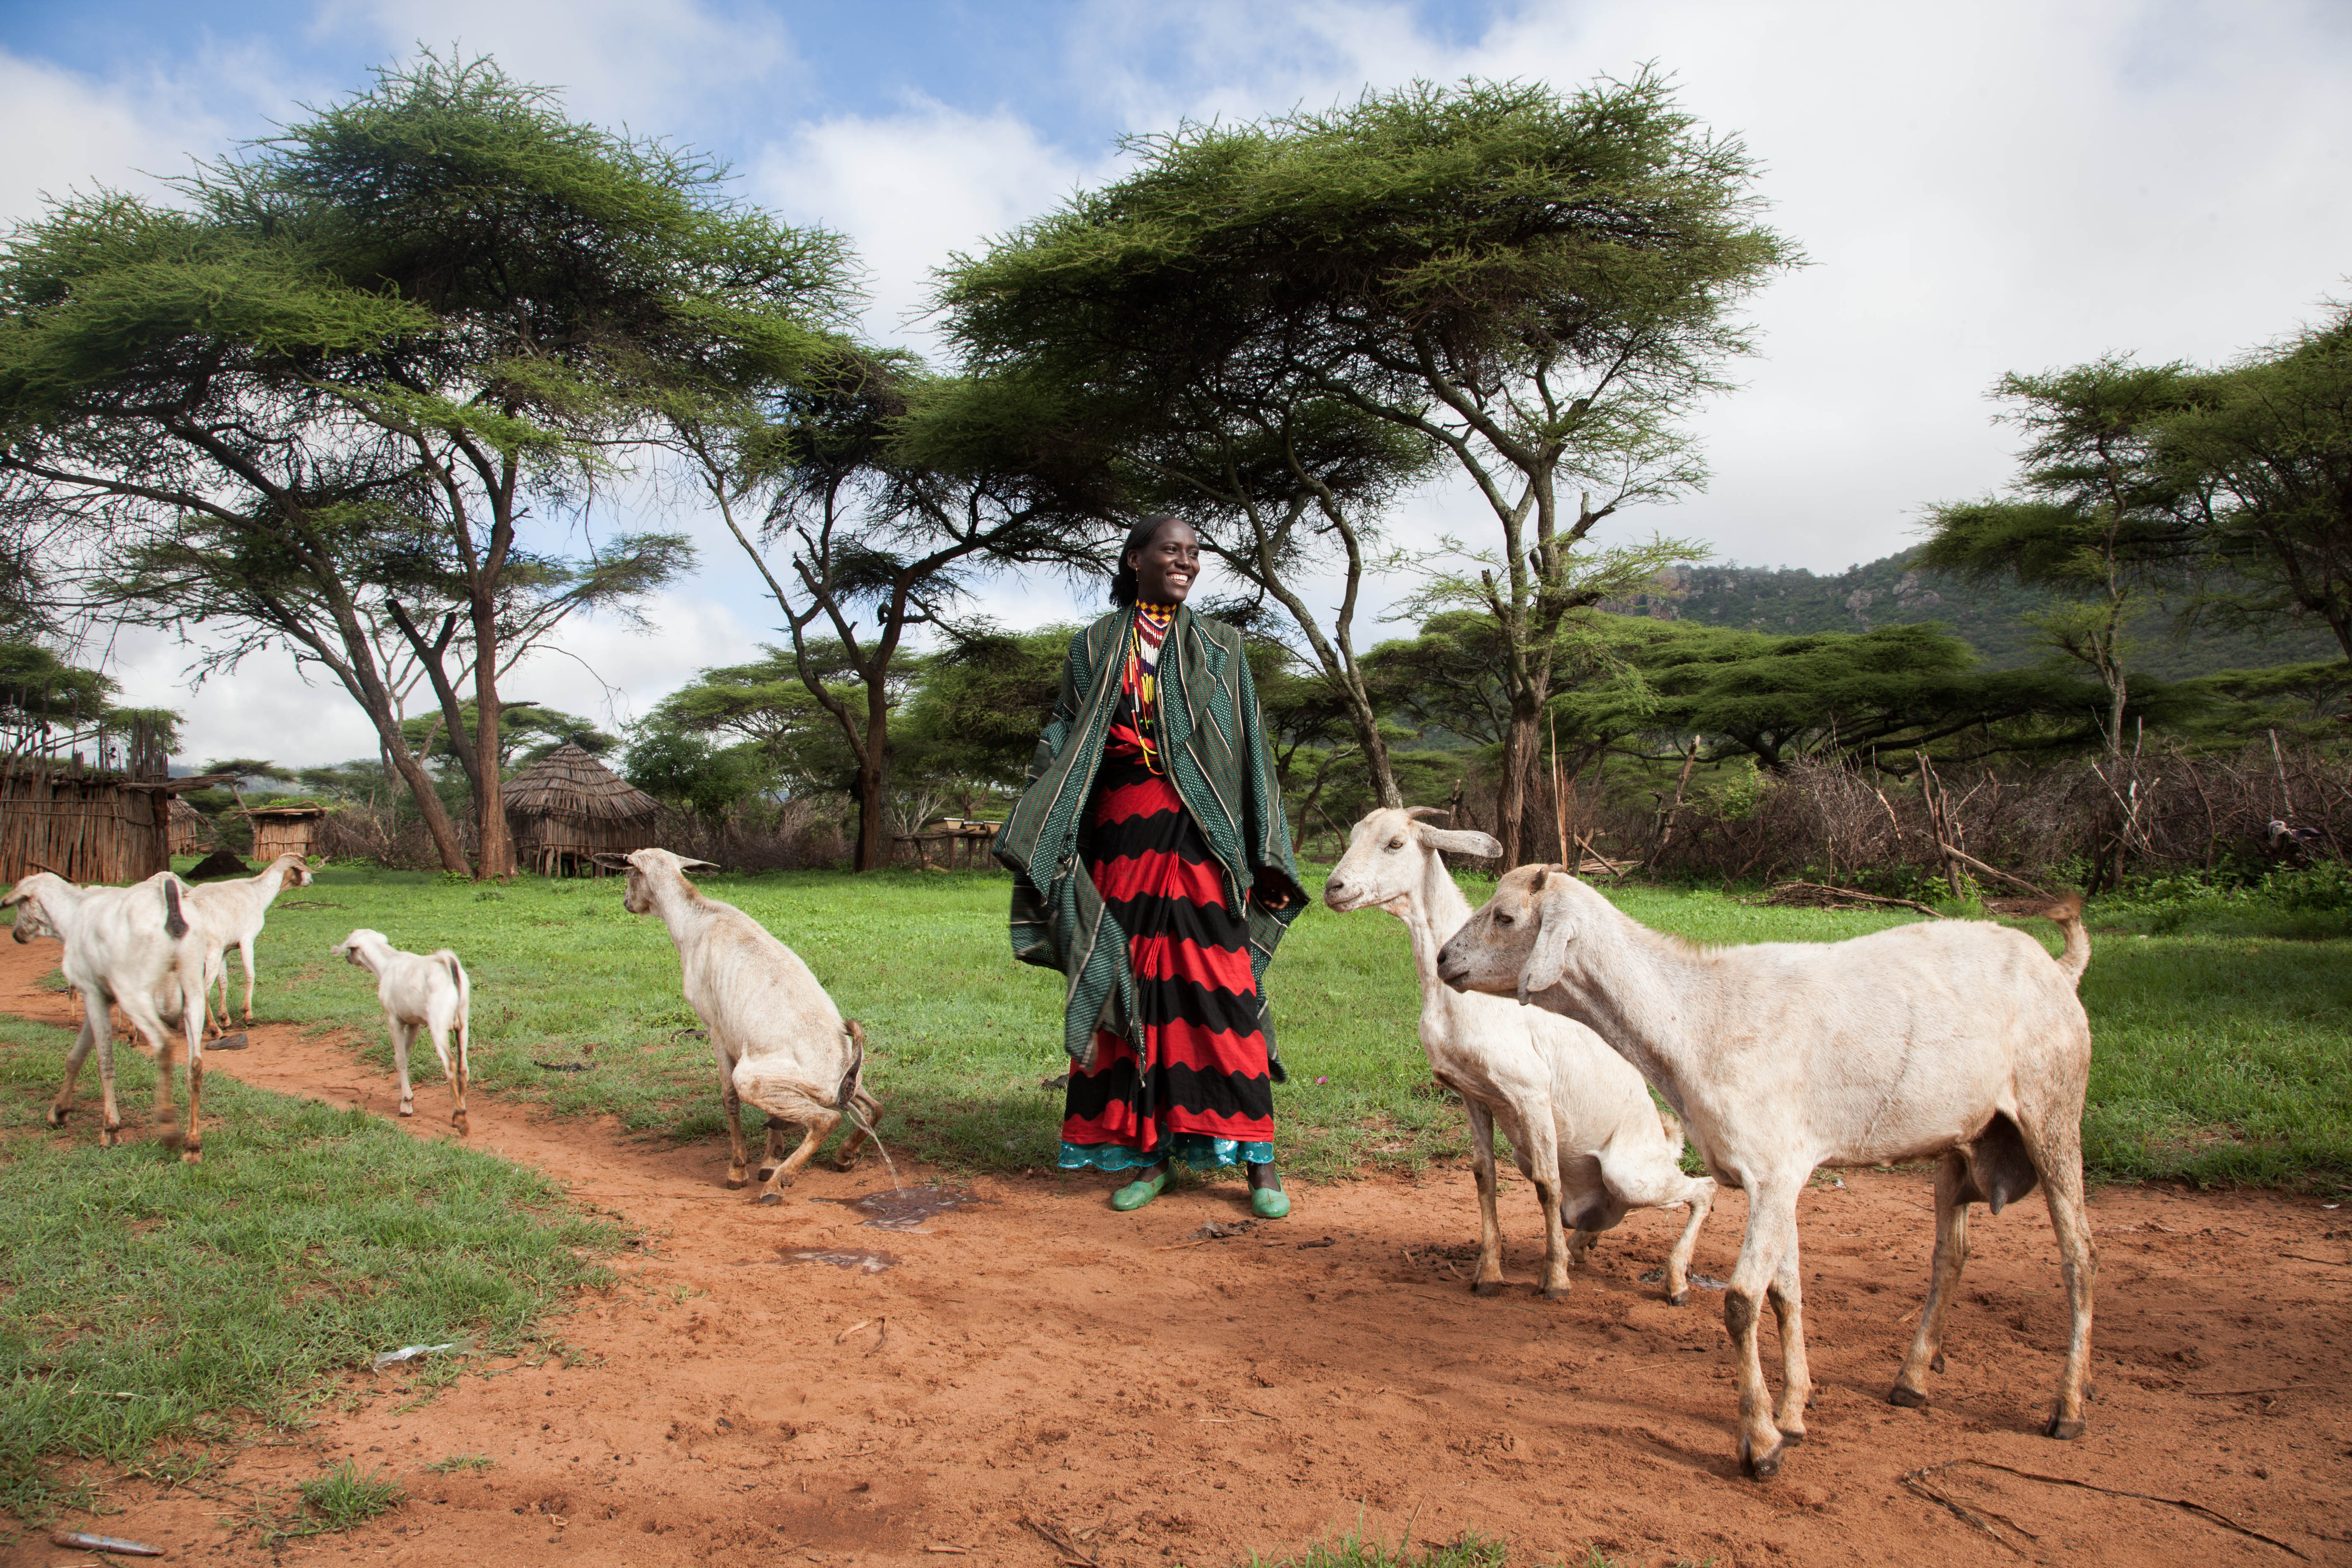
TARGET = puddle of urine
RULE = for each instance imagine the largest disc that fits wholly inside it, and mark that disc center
(906, 1208)
(863, 1262)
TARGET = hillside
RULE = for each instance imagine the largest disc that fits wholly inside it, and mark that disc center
(1991, 617)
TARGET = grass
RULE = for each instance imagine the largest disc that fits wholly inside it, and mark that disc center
(1355, 1551)
(343, 1497)
(143, 1301)
(2220, 1031)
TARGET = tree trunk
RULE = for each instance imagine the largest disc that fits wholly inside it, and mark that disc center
(360, 678)
(495, 860)
(1511, 796)
(874, 843)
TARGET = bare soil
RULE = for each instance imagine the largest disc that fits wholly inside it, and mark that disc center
(1039, 1381)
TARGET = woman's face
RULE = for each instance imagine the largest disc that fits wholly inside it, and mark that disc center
(1165, 567)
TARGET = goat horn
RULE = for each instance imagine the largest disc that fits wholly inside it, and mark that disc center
(1417, 811)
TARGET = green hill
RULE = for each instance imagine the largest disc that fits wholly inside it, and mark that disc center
(1990, 616)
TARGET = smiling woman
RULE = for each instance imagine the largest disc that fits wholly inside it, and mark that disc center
(1152, 867)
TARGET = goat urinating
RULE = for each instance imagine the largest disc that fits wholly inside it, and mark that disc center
(777, 1038)
(1959, 1040)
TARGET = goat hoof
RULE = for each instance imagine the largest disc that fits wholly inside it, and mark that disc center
(56, 1117)
(192, 1156)
(1488, 1288)
(845, 1162)
(1678, 1298)
(1907, 1396)
(459, 1121)
(1936, 1364)
(2064, 1430)
(766, 1172)
(768, 1200)
(737, 1184)
(1558, 1294)
(1791, 1437)
(408, 1110)
(1761, 1467)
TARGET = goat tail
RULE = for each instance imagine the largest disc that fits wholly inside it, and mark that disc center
(2066, 911)
(861, 1107)
(1674, 1128)
(175, 923)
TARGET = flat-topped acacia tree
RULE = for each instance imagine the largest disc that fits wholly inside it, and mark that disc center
(357, 359)
(1537, 285)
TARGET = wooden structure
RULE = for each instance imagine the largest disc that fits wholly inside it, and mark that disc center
(567, 808)
(285, 830)
(954, 839)
(190, 833)
(87, 824)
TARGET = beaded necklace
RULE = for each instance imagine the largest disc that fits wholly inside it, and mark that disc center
(1151, 623)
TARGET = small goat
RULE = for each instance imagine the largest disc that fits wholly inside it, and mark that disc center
(778, 1040)
(1581, 1124)
(1954, 1038)
(132, 947)
(430, 992)
(230, 912)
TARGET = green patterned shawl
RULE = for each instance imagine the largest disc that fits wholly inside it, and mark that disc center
(1214, 739)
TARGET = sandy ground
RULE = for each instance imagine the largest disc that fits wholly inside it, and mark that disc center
(1041, 1380)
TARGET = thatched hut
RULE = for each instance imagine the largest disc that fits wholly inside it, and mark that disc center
(85, 825)
(286, 830)
(568, 807)
(192, 833)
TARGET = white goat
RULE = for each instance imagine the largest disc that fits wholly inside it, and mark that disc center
(428, 991)
(132, 947)
(1581, 1124)
(1961, 1039)
(778, 1040)
(230, 912)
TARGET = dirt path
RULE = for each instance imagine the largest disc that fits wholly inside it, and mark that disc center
(1044, 1365)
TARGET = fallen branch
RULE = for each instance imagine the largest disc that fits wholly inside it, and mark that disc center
(1916, 1481)
(1965, 858)
(1820, 895)
(2216, 1515)
(1059, 1541)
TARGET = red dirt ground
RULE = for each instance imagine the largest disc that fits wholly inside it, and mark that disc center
(1043, 1366)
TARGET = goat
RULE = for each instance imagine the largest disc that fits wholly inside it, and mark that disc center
(778, 1040)
(1581, 1122)
(231, 911)
(1960, 1039)
(430, 991)
(131, 947)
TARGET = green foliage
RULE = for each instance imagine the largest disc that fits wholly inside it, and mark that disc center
(1353, 1550)
(981, 703)
(682, 769)
(142, 1301)
(767, 704)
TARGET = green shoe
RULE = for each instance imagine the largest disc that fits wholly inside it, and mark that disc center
(1268, 1200)
(1138, 1192)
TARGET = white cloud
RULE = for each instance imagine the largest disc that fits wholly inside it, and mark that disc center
(66, 132)
(910, 188)
(660, 67)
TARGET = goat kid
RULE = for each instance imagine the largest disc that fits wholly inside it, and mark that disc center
(419, 991)
(778, 1039)
(1581, 1124)
(130, 947)
(1960, 1040)
(230, 913)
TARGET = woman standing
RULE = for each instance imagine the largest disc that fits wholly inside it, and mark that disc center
(1151, 866)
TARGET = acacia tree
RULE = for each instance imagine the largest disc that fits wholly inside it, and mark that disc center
(2097, 515)
(891, 494)
(2265, 451)
(1539, 285)
(423, 315)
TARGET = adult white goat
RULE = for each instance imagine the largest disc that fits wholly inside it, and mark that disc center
(1581, 1124)
(427, 991)
(778, 1040)
(134, 947)
(1953, 1039)
(230, 912)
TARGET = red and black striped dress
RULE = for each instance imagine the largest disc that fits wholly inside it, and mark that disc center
(1196, 1086)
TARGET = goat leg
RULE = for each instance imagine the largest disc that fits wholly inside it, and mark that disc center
(62, 1106)
(1787, 1295)
(1771, 1226)
(1953, 1193)
(1489, 1281)
(821, 1123)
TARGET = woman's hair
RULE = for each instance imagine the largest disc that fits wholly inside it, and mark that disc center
(1124, 586)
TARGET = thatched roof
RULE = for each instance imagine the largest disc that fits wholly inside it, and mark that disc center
(570, 784)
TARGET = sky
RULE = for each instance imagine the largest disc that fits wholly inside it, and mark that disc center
(1981, 189)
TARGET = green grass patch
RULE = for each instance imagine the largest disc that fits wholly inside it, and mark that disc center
(343, 1497)
(142, 1301)
(2221, 1036)
(1355, 1551)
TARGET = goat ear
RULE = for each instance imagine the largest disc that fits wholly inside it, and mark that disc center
(1467, 842)
(698, 866)
(610, 861)
(1547, 960)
